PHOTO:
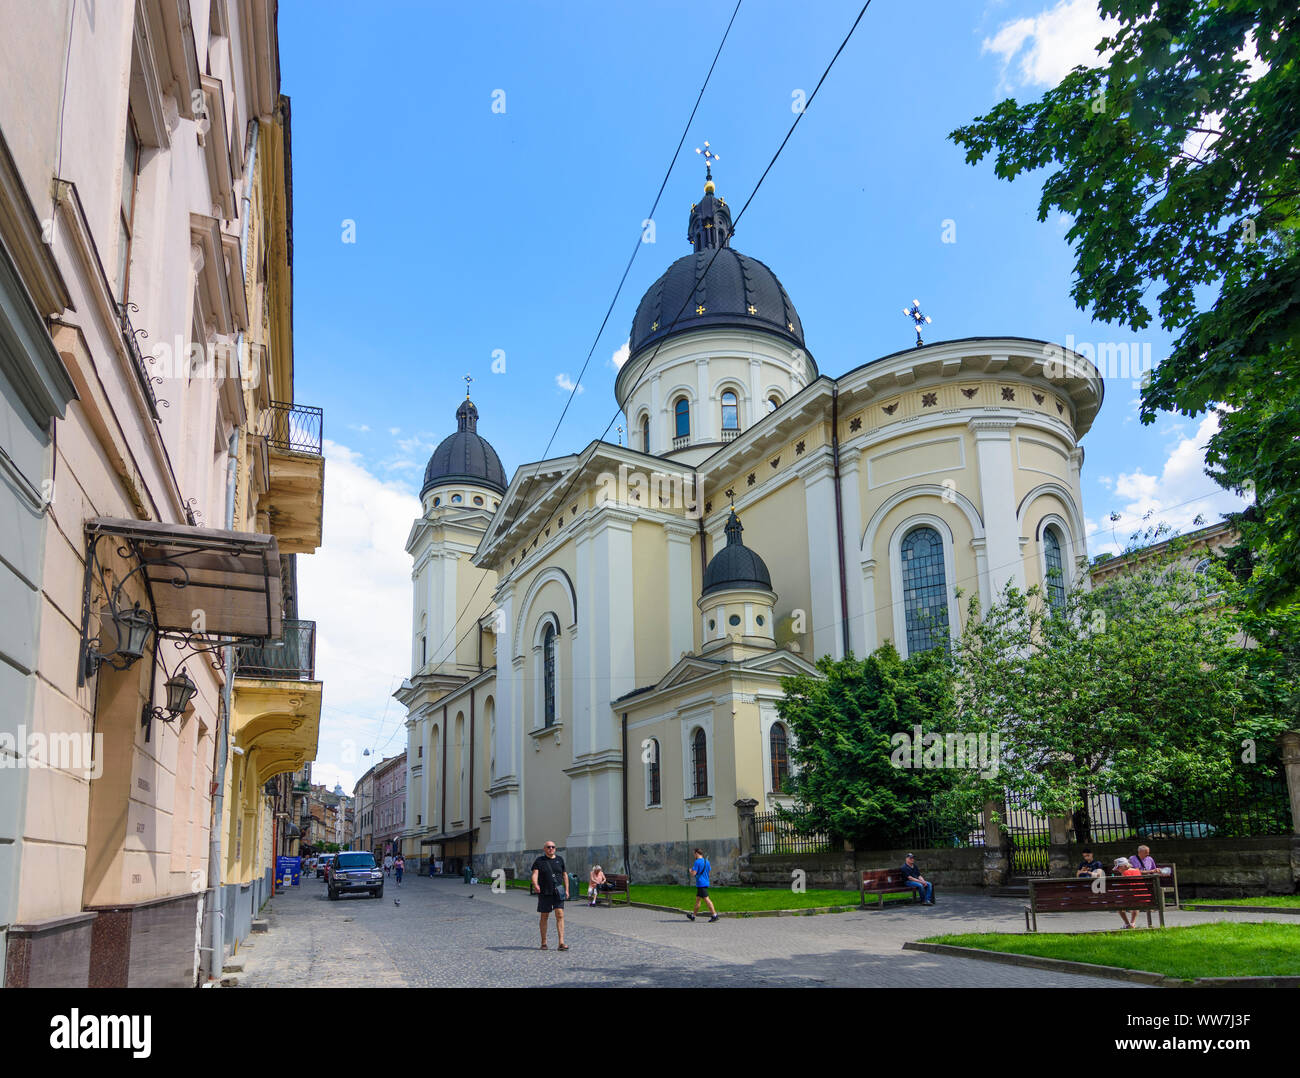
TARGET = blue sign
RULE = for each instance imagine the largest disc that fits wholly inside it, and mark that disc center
(288, 871)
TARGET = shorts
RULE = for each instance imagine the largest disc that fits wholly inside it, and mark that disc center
(547, 903)
(701, 892)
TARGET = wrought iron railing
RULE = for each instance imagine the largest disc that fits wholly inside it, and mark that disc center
(291, 658)
(944, 831)
(777, 833)
(1264, 809)
(293, 427)
(131, 336)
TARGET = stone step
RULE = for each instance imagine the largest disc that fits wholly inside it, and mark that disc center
(261, 925)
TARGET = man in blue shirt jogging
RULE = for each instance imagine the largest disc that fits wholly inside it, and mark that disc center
(700, 870)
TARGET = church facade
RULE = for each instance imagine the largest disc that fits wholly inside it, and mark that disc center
(598, 642)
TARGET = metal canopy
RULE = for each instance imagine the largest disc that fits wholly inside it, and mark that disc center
(232, 577)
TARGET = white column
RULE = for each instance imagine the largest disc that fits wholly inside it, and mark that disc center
(870, 623)
(659, 440)
(681, 603)
(702, 424)
(998, 501)
(851, 508)
(757, 405)
(508, 737)
(446, 642)
(412, 739)
(823, 560)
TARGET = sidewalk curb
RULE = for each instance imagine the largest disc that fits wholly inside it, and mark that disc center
(1118, 973)
(1194, 906)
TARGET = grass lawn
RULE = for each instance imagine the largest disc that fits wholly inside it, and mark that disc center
(1220, 949)
(1261, 900)
(735, 899)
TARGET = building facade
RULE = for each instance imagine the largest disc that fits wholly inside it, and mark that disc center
(619, 691)
(129, 160)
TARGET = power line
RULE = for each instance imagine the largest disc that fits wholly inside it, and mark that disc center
(600, 332)
(577, 468)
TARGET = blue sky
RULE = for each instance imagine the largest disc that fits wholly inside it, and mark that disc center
(478, 231)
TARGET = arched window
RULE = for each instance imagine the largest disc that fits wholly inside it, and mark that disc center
(700, 763)
(780, 746)
(1055, 568)
(682, 416)
(548, 674)
(730, 411)
(652, 774)
(925, 591)
(645, 434)
(773, 404)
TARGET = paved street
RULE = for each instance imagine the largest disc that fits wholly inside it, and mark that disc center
(445, 934)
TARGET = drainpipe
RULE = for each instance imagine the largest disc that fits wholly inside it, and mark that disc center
(216, 920)
(470, 820)
(839, 514)
(627, 868)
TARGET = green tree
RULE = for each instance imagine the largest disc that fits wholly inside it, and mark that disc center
(1138, 687)
(843, 722)
(1178, 159)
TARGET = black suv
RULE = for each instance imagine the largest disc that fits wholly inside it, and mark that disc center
(355, 871)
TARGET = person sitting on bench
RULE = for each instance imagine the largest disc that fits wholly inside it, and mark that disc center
(1123, 868)
(913, 878)
(596, 883)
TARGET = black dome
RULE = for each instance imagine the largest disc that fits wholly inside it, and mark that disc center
(737, 291)
(465, 457)
(735, 565)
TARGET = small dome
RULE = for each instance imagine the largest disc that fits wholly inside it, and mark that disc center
(735, 565)
(465, 457)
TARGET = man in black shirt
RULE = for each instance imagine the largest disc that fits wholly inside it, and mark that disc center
(551, 886)
(1089, 867)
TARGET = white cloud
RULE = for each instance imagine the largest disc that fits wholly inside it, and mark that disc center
(357, 587)
(1176, 497)
(566, 383)
(394, 431)
(620, 357)
(1044, 48)
(361, 428)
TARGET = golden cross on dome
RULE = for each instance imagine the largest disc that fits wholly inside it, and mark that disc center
(468, 378)
(753, 309)
(709, 158)
(699, 309)
(730, 493)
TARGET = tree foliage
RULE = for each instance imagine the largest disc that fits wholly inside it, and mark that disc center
(1178, 159)
(842, 724)
(1138, 687)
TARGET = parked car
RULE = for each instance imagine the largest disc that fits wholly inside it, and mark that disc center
(323, 865)
(355, 871)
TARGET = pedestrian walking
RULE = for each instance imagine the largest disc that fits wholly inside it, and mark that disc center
(700, 870)
(399, 866)
(550, 883)
(388, 864)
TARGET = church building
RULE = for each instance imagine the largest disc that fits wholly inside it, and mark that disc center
(598, 641)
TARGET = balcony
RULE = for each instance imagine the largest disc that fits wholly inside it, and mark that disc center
(294, 439)
(291, 658)
(730, 434)
(681, 441)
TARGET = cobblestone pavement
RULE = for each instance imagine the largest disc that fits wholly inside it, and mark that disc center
(445, 934)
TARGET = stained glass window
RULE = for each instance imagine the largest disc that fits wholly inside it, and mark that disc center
(700, 763)
(925, 591)
(548, 673)
(1055, 568)
(780, 745)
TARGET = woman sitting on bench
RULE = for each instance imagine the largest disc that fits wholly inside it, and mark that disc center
(596, 883)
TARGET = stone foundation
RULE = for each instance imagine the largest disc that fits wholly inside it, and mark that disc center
(838, 870)
(1216, 867)
(661, 862)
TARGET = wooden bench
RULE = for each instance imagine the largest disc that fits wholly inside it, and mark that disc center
(880, 882)
(1169, 881)
(1141, 893)
(620, 887)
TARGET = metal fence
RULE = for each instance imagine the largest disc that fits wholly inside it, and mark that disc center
(944, 832)
(293, 427)
(1265, 809)
(775, 833)
(291, 658)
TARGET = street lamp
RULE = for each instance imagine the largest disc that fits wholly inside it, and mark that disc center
(180, 691)
(131, 629)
